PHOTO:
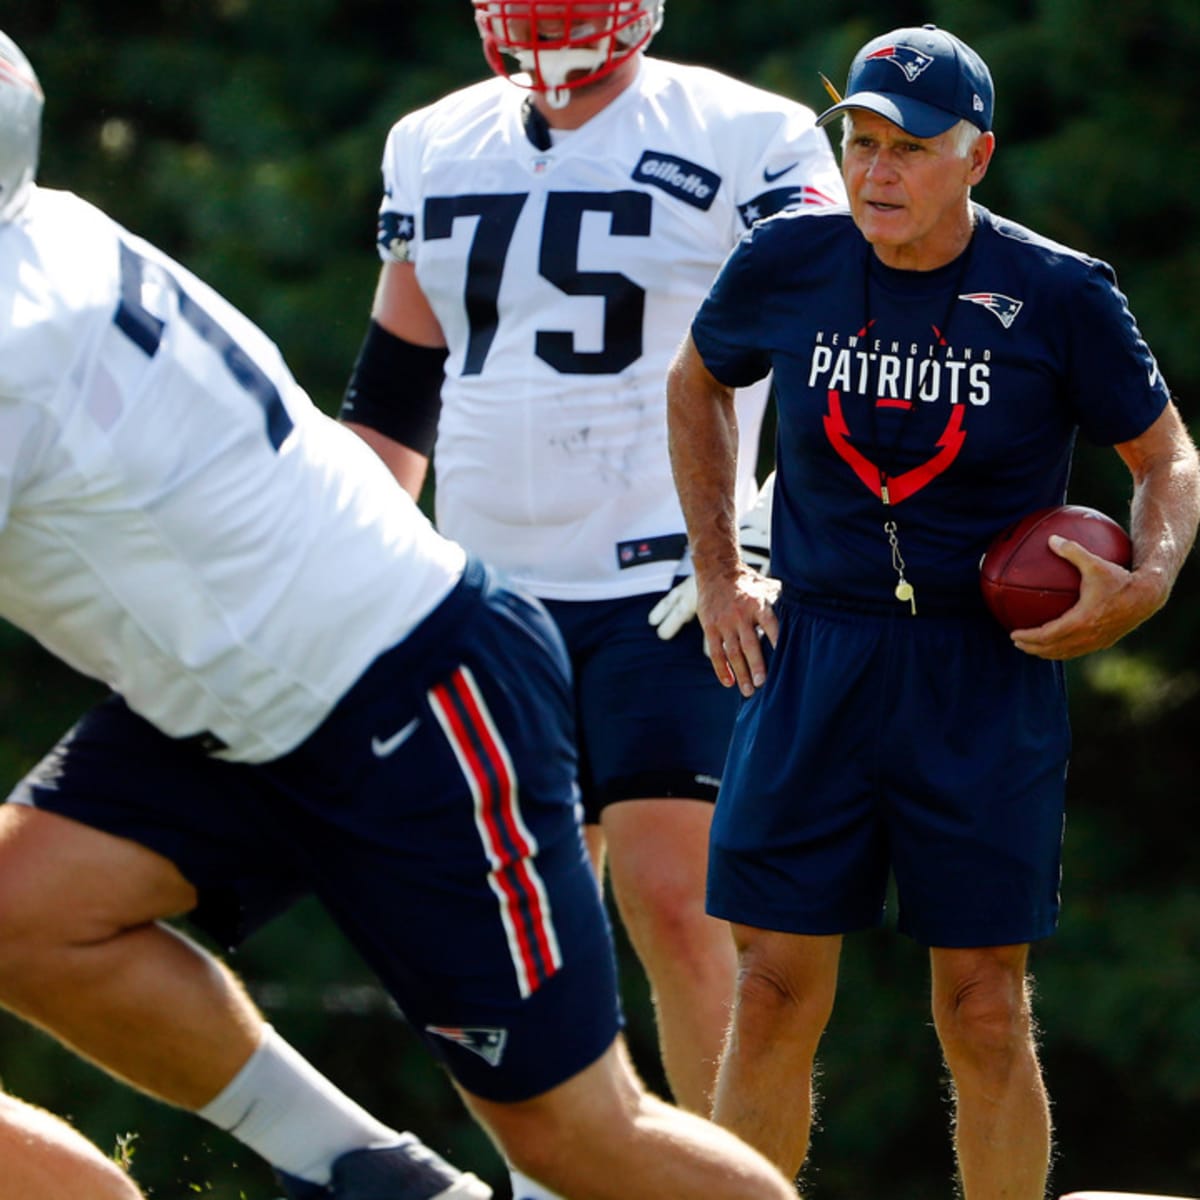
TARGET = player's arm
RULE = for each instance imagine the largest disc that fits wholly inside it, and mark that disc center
(733, 600)
(394, 395)
(1163, 520)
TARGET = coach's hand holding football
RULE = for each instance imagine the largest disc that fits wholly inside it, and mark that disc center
(933, 366)
(1113, 600)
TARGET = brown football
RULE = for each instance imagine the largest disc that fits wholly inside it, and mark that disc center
(1024, 583)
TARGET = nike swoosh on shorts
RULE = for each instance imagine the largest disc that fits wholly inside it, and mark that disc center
(382, 747)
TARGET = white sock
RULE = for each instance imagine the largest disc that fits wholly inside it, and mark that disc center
(284, 1109)
(524, 1188)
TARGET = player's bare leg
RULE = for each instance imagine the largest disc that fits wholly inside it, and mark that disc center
(785, 991)
(658, 862)
(82, 955)
(593, 841)
(601, 1136)
(981, 1009)
(45, 1159)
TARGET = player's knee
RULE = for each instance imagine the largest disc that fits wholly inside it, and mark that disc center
(674, 927)
(37, 925)
(21, 921)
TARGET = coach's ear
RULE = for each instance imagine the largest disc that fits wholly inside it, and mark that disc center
(980, 157)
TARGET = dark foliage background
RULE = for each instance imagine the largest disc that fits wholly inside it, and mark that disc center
(244, 136)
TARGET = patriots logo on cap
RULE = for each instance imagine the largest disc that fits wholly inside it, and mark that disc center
(485, 1041)
(911, 62)
(1004, 308)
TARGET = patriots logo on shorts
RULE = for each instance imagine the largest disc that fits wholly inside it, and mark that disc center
(1004, 308)
(911, 62)
(485, 1041)
(394, 235)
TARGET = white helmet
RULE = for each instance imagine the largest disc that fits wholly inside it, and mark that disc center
(564, 44)
(20, 127)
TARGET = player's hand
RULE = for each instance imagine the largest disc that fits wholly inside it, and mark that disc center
(675, 609)
(1112, 601)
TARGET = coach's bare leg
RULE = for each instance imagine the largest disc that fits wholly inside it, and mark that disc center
(981, 1008)
(658, 863)
(785, 991)
(45, 1159)
(82, 956)
(602, 1136)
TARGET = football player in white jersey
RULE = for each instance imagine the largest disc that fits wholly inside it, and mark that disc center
(544, 247)
(312, 692)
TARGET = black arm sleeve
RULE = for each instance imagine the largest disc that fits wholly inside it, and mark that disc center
(396, 389)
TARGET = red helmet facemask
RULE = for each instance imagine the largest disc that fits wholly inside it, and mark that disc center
(563, 44)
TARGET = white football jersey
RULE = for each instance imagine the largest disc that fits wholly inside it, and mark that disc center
(564, 280)
(177, 519)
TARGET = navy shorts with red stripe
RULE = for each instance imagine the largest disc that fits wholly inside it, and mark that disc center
(926, 748)
(434, 813)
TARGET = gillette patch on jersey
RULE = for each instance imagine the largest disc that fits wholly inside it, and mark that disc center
(690, 182)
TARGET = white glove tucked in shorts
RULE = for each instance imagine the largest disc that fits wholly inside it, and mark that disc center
(678, 606)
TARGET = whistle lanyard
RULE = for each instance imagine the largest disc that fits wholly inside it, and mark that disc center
(886, 461)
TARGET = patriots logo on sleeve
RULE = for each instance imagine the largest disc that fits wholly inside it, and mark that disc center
(1003, 308)
(394, 235)
(911, 62)
(777, 199)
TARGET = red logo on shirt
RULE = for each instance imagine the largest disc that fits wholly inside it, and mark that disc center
(900, 487)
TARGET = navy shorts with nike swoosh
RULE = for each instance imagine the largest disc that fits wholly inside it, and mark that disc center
(435, 815)
(928, 748)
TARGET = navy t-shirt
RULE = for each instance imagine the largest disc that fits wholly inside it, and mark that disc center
(960, 390)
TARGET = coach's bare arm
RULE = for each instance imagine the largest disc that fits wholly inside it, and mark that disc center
(1165, 469)
(734, 605)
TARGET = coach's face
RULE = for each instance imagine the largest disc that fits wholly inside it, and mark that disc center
(909, 196)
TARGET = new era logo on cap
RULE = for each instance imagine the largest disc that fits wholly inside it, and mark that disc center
(924, 80)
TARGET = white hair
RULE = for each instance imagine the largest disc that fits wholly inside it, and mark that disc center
(963, 134)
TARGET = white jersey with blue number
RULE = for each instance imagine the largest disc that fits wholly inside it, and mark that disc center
(564, 280)
(176, 518)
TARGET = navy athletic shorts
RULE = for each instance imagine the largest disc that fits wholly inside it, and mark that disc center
(434, 813)
(928, 747)
(653, 719)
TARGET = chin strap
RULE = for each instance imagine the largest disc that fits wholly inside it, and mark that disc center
(537, 128)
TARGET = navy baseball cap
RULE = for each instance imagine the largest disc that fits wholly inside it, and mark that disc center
(924, 80)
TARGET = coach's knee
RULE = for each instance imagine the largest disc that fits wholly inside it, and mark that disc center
(985, 1024)
(772, 1002)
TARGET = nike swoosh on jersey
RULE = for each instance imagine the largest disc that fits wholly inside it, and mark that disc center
(382, 747)
(771, 176)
